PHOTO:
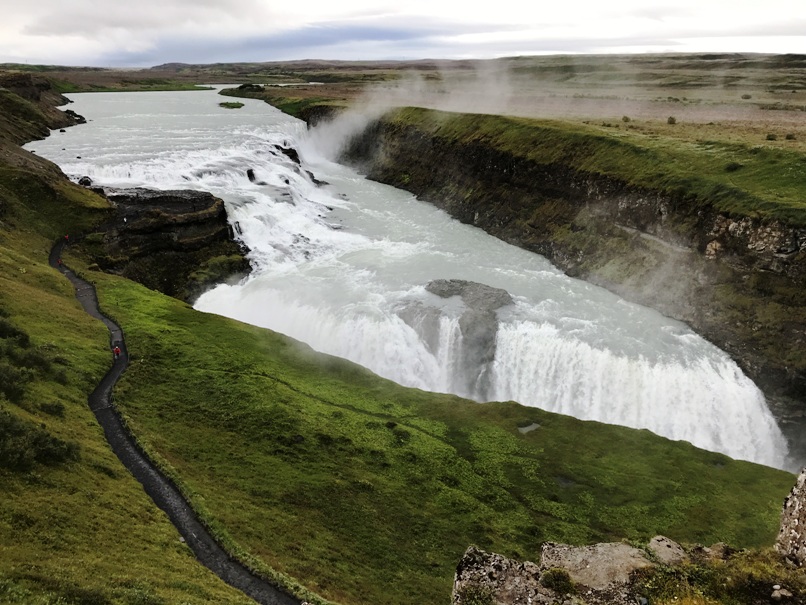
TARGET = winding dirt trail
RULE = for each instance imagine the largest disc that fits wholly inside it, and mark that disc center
(161, 489)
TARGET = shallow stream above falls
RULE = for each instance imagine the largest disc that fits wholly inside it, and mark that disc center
(346, 266)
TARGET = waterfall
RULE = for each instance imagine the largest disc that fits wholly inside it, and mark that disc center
(345, 267)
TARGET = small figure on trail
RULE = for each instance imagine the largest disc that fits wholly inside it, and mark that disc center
(67, 238)
(116, 350)
(59, 262)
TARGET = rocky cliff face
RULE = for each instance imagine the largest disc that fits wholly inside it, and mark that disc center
(735, 280)
(792, 537)
(177, 242)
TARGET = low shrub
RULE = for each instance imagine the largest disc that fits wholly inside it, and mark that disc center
(476, 595)
(53, 409)
(558, 580)
(23, 444)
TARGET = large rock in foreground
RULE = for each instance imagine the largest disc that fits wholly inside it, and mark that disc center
(792, 537)
(482, 575)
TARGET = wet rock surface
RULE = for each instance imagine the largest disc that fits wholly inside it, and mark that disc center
(791, 541)
(478, 324)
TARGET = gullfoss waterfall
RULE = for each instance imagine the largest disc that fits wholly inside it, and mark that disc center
(367, 272)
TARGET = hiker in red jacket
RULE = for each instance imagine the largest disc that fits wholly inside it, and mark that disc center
(116, 350)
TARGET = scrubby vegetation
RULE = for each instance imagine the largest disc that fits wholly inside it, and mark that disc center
(741, 578)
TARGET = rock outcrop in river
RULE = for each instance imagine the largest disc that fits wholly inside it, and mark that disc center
(478, 324)
(177, 242)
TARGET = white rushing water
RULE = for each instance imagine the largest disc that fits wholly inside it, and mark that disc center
(344, 267)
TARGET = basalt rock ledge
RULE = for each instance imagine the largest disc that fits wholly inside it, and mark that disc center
(177, 242)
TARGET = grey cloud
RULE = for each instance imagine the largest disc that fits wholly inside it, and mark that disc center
(314, 41)
(90, 18)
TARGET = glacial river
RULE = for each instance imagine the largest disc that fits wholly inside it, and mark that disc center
(343, 267)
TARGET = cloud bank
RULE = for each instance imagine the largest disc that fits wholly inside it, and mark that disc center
(121, 33)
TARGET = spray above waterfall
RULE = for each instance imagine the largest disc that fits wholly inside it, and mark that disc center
(361, 270)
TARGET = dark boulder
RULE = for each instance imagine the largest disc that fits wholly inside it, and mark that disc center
(289, 152)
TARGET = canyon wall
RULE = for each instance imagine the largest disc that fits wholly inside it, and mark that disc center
(737, 280)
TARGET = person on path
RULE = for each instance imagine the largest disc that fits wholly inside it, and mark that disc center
(116, 350)
(67, 238)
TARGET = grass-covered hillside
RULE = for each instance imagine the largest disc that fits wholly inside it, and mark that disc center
(310, 468)
(75, 527)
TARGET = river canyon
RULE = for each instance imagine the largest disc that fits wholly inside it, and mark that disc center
(367, 272)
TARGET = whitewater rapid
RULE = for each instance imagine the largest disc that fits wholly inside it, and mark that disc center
(343, 266)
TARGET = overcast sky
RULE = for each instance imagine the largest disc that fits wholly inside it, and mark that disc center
(142, 33)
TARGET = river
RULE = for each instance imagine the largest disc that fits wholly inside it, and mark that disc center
(343, 267)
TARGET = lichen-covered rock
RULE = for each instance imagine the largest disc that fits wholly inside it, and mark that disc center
(601, 567)
(486, 577)
(667, 551)
(791, 541)
(594, 575)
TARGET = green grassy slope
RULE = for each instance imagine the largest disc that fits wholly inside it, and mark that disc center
(365, 491)
(74, 526)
